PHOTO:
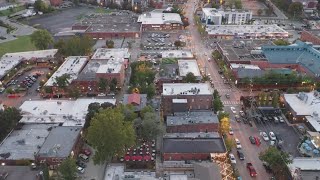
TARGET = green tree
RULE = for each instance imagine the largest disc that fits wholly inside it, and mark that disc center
(110, 44)
(48, 89)
(39, 5)
(103, 84)
(68, 169)
(150, 91)
(189, 78)
(178, 43)
(42, 39)
(290, 90)
(45, 171)
(149, 127)
(109, 134)
(146, 109)
(230, 143)
(128, 112)
(259, 12)
(76, 46)
(295, 9)
(275, 99)
(8, 120)
(222, 115)
(216, 94)
(9, 90)
(276, 159)
(281, 42)
(62, 81)
(74, 92)
(238, 4)
(113, 85)
(217, 105)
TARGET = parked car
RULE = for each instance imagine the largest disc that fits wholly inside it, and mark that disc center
(84, 157)
(240, 155)
(230, 131)
(276, 119)
(80, 170)
(251, 169)
(81, 164)
(265, 136)
(238, 119)
(241, 113)
(251, 138)
(233, 109)
(272, 136)
(238, 144)
(232, 158)
(281, 119)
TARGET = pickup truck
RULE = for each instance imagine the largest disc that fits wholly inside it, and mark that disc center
(251, 169)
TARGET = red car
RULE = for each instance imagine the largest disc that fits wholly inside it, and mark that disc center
(87, 152)
(257, 140)
(251, 169)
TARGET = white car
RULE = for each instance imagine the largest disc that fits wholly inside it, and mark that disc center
(232, 158)
(238, 144)
(233, 110)
(230, 131)
(272, 136)
(241, 113)
(281, 119)
(264, 136)
(80, 170)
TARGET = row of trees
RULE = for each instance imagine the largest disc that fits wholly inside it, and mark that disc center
(295, 9)
(217, 103)
(111, 129)
(142, 78)
(269, 99)
(8, 120)
(41, 6)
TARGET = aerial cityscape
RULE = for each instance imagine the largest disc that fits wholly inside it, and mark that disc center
(159, 90)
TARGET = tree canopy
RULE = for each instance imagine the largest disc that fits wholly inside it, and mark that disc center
(8, 119)
(62, 81)
(68, 169)
(110, 44)
(94, 108)
(189, 78)
(109, 134)
(295, 9)
(42, 39)
(276, 159)
(149, 127)
(76, 46)
(281, 42)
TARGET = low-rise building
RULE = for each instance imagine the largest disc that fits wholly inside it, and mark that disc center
(246, 31)
(304, 107)
(186, 96)
(160, 21)
(189, 66)
(138, 101)
(217, 17)
(118, 171)
(308, 4)
(12, 60)
(310, 36)
(61, 143)
(179, 54)
(305, 168)
(192, 121)
(192, 146)
(62, 112)
(72, 66)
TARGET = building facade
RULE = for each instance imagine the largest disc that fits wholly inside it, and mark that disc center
(212, 16)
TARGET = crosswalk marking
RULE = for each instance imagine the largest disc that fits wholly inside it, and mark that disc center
(224, 90)
(230, 102)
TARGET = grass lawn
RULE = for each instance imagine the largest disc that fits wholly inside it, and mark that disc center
(14, 10)
(103, 10)
(23, 43)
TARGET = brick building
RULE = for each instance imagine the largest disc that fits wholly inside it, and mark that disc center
(61, 143)
(182, 97)
(310, 36)
(160, 21)
(192, 146)
(193, 121)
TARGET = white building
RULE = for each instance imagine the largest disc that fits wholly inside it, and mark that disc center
(217, 17)
(187, 66)
(72, 66)
(305, 168)
(180, 54)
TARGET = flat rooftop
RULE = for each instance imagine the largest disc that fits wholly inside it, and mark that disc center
(170, 89)
(117, 171)
(305, 164)
(193, 145)
(243, 66)
(89, 71)
(60, 141)
(217, 12)
(107, 54)
(66, 112)
(192, 135)
(112, 66)
(192, 118)
(159, 18)
(71, 66)
(11, 60)
(248, 30)
(187, 66)
(243, 50)
(119, 28)
(180, 54)
(304, 104)
(25, 142)
(19, 172)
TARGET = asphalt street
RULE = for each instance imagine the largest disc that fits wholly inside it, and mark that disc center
(241, 131)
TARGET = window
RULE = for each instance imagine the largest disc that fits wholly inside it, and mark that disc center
(192, 100)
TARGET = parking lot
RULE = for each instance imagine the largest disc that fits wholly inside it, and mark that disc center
(274, 121)
(157, 41)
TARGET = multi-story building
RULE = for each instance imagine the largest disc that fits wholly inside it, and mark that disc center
(212, 16)
(160, 21)
(182, 97)
(308, 4)
(192, 146)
